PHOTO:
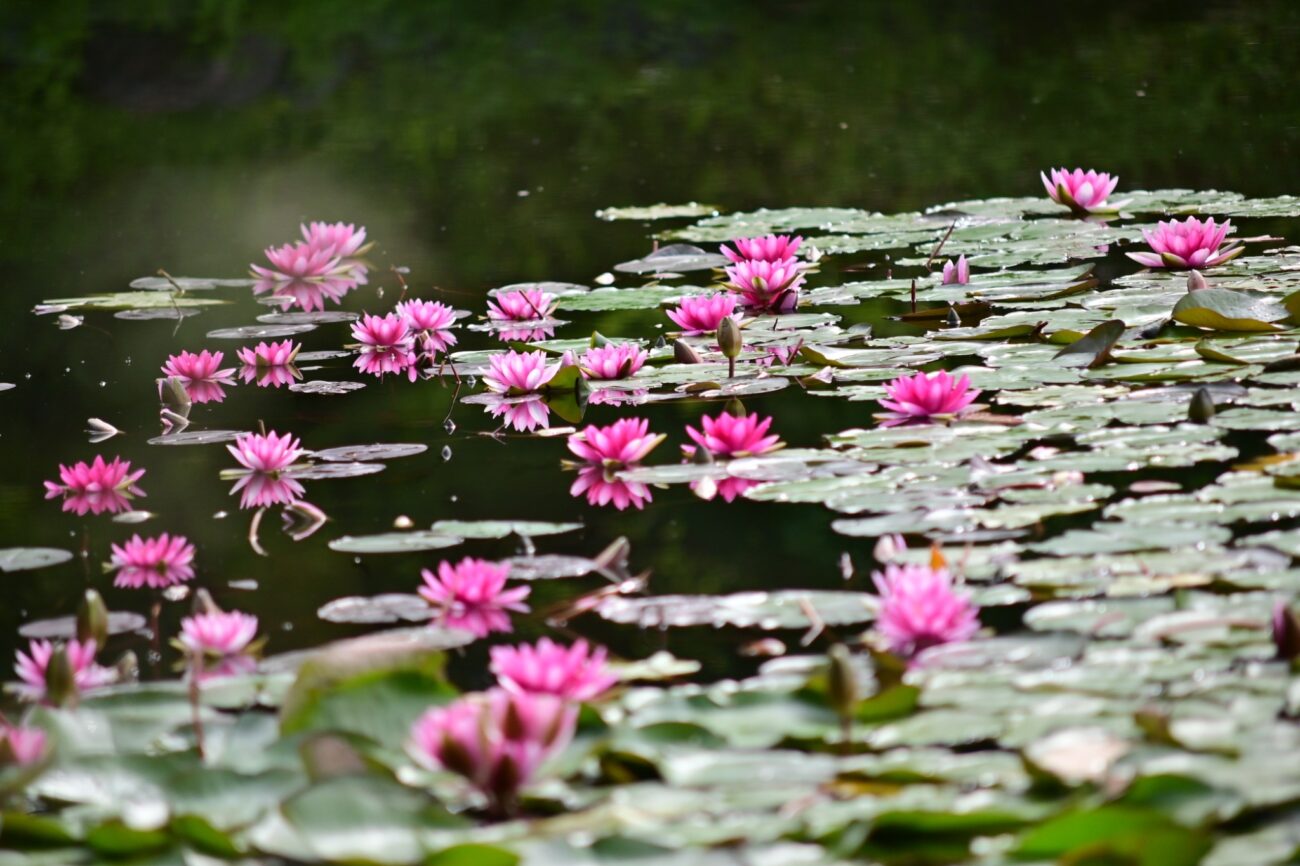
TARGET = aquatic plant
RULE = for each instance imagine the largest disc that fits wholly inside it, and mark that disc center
(521, 305)
(156, 562)
(575, 673)
(923, 396)
(956, 273)
(201, 374)
(770, 286)
(472, 595)
(266, 452)
(96, 487)
(772, 248)
(33, 667)
(920, 608)
(25, 745)
(622, 443)
(1084, 192)
(616, 361)
(343, 240)
(387, 345)
(701, 314)
(518, 372)
(430, 322)
(602, 486)
(265, 354)
(218, 633)
(1188, 244)
(730, 435)
(298, 261)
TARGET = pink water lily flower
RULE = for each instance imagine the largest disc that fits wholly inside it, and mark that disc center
(33, 665)
(920, 608)
(266, 452)
(1081, 191)
(702, 314)
(299, 261)
(387, 345)
(602, 486)
(1190, 244)
(266, 354)
(617, 361)
(521, 305)
(335, 239)
(518, 372)
(734, 436)
(310, 295)
(95, 487)
(576, 673)
(497, 740)
(523, 414)
(201, 375)
(218, 633)
(925, 395)
(770, 286)
(472, 595)
(25, 745)
(156, 563)
(430, 322)
(956, 274)
(773, 248)
(626, 441)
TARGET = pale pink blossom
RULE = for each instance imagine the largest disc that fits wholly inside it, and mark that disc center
(26, 745)
(218, 633)
(96, 487)
(616, 361)
(518, 372)
(926, 395)
(956, 274)
(521, 305)
(734, 436)
(771, 286)
(920, 608)
(626, 441)
(1190, 244)
(702, 314)
(33, 666)
(157, 563)
(523, 414)
(430, 322)
(497, 740)
(201, 375)
(472, 595)
(266, 354)
(773, 248)
(335, 239)
(1081, 191)
(311, 295)
(576, 673)
(266, 452)
(387, 345)
(602, 486)
(298, 261)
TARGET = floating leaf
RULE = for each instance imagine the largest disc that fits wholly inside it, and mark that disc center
(28, 558)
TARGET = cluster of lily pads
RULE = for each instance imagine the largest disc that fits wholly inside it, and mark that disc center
(1072, 651)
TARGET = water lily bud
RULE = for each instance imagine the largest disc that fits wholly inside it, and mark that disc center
(702, 457)
(952, 319)
(92, 619)
(842, 682)
(1196, 281)
(729, 339)
(889, 547)
(735, 408)
(684, 354)
(660, 342)
(1201, 408)
(1286, 631)
(174, 397)
(60, 679)
(598, 339)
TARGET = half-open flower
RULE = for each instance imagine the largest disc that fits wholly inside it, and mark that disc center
(575, 673)
(201, 374)
(265, 354)
(33, 667)
(1190, 244)
(521, 305)
(218, 633)
(626, 441)
(95, 487)
(518, 372)
(430, 322)
(387, 345)
(769, 286)
(956, 273)
(1084, 192)
(156, 563)
(701, 314)
(472, 595)
(298, 261)
(920, 607)
(923, 396)
(734, 436)
(615, 361)
(266, 452)
(772, 248)
(343, 240)
(23, 745)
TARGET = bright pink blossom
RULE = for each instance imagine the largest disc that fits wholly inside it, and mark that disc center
(497, 740)
(702, 314)
(626, 441)
(95, 487)
(156, 563)
(1190, 244)
(1081, 191)
(472, 595)
(270, 377)
(772, 248)
(266, 354)
(430, 322)
(521, 305)
(602, 486)
(524, 335)
(920, 608)
(387, 345)
(335, 239)
(33, 665)
(772, 286)
(734, 436)
(925, 395)
(518, 372)
(523, 414)
(956, 274)
(218, 633)
(311, 295)
(616, 361)
(299, 261)
(201, 375)
(576, 673)
(26, 745)
(269, 452)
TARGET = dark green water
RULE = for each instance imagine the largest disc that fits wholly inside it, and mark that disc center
(475, 143)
